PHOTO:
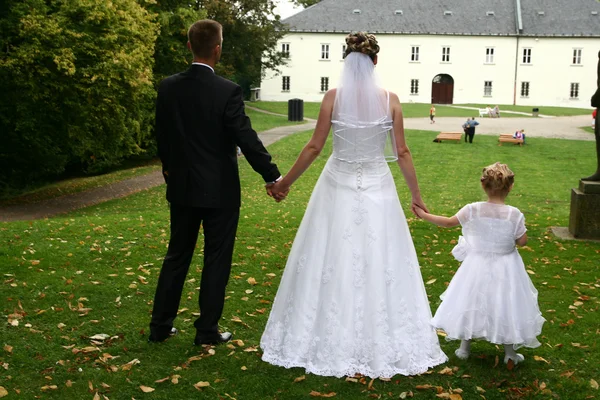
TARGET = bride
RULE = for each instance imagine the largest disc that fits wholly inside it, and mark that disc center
(352, 299)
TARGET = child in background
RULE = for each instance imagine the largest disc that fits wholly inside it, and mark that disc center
(491, 296)
(432, 114)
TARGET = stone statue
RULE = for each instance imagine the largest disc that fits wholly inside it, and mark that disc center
(596, 104)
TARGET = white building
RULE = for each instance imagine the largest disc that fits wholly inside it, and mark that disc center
(526, 52)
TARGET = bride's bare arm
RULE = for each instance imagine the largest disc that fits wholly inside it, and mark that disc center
(404, 157)
(313, 148)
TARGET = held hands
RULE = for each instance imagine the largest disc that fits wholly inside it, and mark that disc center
(277, 191)
(418, 207)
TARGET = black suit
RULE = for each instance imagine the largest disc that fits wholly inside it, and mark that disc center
(200, 120)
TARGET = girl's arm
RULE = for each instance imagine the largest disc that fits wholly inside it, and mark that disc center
(439, 220)
(522, 241)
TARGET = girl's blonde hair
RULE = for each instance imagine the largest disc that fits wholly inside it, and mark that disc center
(497, 179)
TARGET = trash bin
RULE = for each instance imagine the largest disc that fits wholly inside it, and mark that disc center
(535, 112)
(295, 110)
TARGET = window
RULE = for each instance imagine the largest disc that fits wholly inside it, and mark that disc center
(524, 89)
(285, 50)
(576, 56)
(414, 54)
(285, 84)
(487, 88)
(445, 54)
(324, 84)
(489, 55)
(324, 52)
(574, 91)
(414, 86)
(527, 56)
(343, 51)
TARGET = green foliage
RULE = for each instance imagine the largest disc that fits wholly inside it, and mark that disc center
(171, 53)
(76, 83)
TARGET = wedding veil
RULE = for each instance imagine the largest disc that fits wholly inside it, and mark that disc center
(362, 124)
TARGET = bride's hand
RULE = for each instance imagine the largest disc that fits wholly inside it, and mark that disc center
(417, 202)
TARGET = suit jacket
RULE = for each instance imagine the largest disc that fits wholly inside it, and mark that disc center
(199, 121)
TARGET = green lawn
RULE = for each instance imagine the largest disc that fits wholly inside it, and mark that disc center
(94, 272)
(588, 129)
(262, 122)
(556, 111)
(410, 110)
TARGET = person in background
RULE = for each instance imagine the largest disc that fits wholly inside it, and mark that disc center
(432, 114)
(520, 135)
(594, 113)
(497, 111)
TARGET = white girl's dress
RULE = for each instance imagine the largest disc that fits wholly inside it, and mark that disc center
(351, 299)
(491, 296)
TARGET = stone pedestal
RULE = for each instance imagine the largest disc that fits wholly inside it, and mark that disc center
(584, 222)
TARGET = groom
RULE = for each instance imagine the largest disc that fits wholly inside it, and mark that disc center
(200, 120)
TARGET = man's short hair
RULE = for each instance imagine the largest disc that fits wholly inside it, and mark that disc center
(204, 36)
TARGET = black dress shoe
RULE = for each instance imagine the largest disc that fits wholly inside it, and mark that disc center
(212, 339)
(157, 339)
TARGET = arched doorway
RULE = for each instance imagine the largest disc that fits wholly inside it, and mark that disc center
(442, 89)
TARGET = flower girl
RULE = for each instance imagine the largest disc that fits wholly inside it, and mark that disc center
(491, 296)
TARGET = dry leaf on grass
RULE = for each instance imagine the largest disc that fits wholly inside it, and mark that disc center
(147, 389)
(446, 371)
(162, 380)
(593, 384)
(3, 392)
(538, 358)
(300, 379)
(8, 348)
(319, 394)
(201, 385)
(251, 281)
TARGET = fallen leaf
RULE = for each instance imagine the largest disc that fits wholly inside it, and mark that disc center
(201, 385)
(593, 384)
(175, 379)
(538, 358)
(147, 389)
(100, 336)
(319, 394)
(8, 348)
(252, 281)
(446, 371)
(49, 387)
(162, 380)
(3, 392)
(480, 389)
(429, 282)
(130, 364)
(96, 396)
(300, 379)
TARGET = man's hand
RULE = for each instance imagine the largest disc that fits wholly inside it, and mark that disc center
(277, 191)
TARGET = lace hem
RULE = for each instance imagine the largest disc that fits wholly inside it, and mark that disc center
(352, 370)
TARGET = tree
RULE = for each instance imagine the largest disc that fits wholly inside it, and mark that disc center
(251, 30)
(305, 3)
(76, 84)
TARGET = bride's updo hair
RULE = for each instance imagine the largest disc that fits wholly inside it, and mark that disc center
(362, 42)
(497, 179)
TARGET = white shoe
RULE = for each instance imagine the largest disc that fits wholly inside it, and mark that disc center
(462, 354)
(516, 359)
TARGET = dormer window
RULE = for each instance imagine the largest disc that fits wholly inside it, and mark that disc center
(541, 13)
(447, 12)
(356, 11)
(398, 12)
(490, 13)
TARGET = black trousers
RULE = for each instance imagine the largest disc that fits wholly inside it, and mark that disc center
(469, 133)
(220, 225)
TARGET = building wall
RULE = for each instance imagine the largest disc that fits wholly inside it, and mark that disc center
(549, 74)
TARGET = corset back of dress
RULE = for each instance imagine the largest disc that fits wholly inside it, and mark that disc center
(357, 141)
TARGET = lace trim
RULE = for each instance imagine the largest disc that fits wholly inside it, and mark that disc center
(353, 369)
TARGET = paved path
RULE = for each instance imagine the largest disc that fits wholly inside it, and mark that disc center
(65, 204)
(557, 128)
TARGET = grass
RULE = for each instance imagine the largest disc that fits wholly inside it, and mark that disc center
(129, 169)
(410, 110)
(44, 191)
(95, 270)
(544, 110)
(588, 129)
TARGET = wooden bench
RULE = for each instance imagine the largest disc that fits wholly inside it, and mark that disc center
(456, 136)
(508, 138)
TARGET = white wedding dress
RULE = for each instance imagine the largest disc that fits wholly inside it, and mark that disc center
(352, 299)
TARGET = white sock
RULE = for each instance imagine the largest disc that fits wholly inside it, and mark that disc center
(464, 350)
(511, 354)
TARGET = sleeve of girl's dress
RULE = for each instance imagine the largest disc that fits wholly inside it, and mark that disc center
(464, 214)
(520, 228)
